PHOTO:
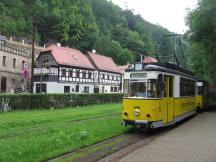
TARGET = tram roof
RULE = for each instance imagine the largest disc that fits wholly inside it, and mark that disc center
(163, 67)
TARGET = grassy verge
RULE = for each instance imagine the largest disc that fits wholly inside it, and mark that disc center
(39, 135)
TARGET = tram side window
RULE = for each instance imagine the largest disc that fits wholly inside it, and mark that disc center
(200, 90)
(187, 87)
(191, 87)
(160, 86)
(170, 87)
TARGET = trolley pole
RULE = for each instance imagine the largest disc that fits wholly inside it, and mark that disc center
(33, 52)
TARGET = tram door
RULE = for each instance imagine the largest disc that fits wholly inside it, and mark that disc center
(169, 97)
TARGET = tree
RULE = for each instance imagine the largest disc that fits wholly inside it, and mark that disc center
(202, 35)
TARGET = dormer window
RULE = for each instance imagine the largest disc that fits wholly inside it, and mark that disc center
(45, 58)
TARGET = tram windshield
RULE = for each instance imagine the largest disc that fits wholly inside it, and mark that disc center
(145, 89)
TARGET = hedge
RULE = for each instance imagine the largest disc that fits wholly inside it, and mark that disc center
(10, 102)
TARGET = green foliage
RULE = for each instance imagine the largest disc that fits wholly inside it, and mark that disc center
(46, 101)
(2, 9)
(85, 25)
(77, 26)
(202, 36)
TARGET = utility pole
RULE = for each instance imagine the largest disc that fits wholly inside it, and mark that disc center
(33, 51)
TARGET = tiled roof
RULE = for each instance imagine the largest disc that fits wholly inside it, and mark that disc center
(69, 56)
(104, 63)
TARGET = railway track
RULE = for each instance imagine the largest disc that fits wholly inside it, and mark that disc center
(116, 148)
(111, 149)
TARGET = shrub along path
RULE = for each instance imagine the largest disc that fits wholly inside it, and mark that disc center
(41, 134)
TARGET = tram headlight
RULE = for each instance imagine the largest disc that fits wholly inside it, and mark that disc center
(136, 112)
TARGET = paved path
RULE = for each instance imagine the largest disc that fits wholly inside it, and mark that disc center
(193, 141)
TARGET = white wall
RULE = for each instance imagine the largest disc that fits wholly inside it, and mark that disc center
(107, 88)
(55, 87)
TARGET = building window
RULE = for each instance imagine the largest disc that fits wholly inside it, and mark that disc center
(103, 76)
(77, 74)
(111, 89)
(89, 75)
(23, 62)
(4, 61)
(66, 89)
(115, 89)
(112, 77)
(45, 58)
(71, 73)
(84, 74)
(63, 72)
(13, 80)
(41, 88)
(77, 88)
(14, 63)
(86, 89)
(108, 77)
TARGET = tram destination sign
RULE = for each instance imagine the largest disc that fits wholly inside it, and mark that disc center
(138, 75)
(138, 66)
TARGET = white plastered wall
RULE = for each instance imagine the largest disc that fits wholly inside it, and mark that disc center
(55, 87)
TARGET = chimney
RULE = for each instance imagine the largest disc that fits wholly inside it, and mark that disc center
(93, 51)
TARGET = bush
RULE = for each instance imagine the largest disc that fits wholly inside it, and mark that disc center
(10, 102)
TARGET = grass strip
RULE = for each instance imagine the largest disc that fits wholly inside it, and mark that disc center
(57, 139)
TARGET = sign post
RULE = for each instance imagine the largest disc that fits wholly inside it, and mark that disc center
(25, 75)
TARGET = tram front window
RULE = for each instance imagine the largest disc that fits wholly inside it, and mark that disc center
(152, 88)
(138, 89)
(144, 89)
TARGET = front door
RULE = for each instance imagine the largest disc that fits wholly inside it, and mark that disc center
(169, 98)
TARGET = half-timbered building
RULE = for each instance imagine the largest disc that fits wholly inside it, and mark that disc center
(63, 70)
(108, 77)
(66, 70)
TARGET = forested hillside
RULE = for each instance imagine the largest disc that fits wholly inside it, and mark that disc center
(85, 25)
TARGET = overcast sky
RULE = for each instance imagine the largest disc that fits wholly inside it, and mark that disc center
(167, 13)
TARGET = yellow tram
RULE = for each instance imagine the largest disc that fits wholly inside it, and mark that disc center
(160, 94)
